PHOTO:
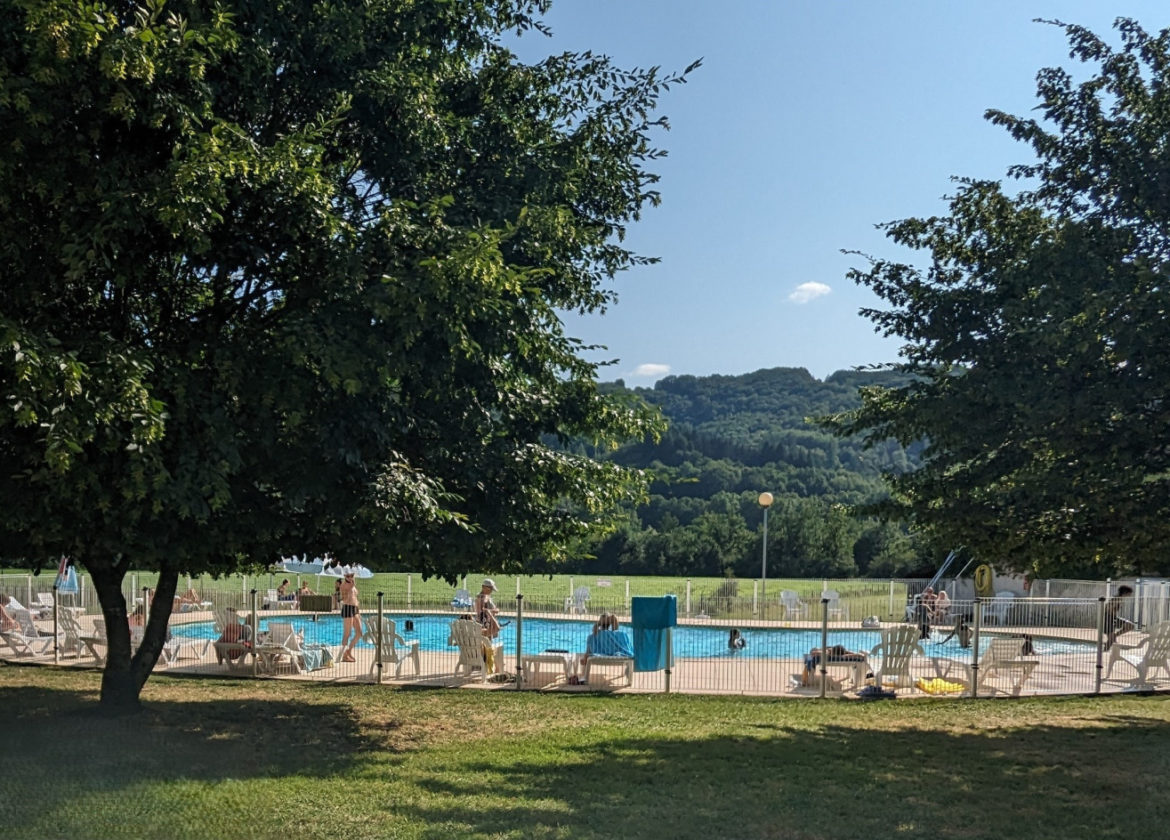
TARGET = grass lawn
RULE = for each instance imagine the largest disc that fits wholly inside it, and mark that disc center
(246, 759)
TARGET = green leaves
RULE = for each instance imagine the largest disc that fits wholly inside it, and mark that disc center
(286, 278)
(1036, 333)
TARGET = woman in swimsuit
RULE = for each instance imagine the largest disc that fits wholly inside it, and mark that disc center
(351, 621)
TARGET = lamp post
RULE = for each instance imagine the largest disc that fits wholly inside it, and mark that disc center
(765, 501)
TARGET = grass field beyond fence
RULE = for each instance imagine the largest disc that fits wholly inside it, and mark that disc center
(717, 597)
(234, 759)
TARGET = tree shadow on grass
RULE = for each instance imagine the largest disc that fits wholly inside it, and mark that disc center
(833, 782)
(56, 743)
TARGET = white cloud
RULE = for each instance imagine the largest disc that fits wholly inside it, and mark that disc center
(650, 369)
(809, 291)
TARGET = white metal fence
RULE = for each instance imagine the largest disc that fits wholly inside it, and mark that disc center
(810, 643)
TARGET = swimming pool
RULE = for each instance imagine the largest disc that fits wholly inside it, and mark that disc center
(691, 641)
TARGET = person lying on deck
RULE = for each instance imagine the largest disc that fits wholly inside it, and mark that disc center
(836, 653)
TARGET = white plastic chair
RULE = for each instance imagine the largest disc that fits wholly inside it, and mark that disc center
(997, 609)
(576, 604)
(468, 636)
(836, 609)
(395, 649)
(793, 606)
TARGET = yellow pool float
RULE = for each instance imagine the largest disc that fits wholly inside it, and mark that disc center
(939, 686)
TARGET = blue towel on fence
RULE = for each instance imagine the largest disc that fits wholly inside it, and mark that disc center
(650, 619)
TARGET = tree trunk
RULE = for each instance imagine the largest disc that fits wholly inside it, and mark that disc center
(124, 675)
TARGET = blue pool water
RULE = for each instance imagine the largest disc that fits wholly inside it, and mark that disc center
(689, 640)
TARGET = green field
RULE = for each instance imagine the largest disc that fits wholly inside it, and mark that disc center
(241, 759)
(547, 593)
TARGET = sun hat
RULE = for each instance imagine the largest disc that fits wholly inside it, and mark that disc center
(490, 584)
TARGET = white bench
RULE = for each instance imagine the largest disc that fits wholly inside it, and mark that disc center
(626, 662)
(531, 663)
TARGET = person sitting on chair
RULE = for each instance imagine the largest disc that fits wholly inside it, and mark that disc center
(235, 633)
(942, 605)
(282, 593)
(7, 621)
(605, 640)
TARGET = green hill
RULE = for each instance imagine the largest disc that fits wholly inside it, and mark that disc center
(733, 437)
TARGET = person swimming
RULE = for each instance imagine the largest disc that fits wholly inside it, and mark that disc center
(736, 641)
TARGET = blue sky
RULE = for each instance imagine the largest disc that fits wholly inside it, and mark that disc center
(809, 122)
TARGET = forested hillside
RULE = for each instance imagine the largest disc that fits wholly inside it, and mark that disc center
(733, 437)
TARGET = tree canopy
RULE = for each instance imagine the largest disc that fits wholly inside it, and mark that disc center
(1036, 332)
(285, 277)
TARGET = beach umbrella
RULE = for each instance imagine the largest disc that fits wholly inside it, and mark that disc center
(357, 570)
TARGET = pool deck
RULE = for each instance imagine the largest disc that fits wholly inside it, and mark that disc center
(1053, 674)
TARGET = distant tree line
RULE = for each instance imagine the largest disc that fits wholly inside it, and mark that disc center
(733, 437)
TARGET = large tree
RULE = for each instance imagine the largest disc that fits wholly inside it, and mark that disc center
(1037, 332)
(285, 276)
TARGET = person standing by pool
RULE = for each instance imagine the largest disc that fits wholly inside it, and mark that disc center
(1114, 623)
(351, 621)
(485, 609)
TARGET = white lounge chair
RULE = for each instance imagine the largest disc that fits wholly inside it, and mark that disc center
(896, 649)
(395, 649)
(577, 603)
(1002, 658)
(474, 648)
(27, 640)
(793, 606)
(1155, 655)
(71, 633)
(175, 646)
(283, 643)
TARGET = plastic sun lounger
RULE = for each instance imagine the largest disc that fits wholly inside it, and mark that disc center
(625, 662)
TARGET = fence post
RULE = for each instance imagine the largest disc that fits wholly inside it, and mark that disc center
(28, 590)
(890, 611)
(408, 592)
(824, 643)
(1138, 612)
(1100, 643)
(688, 596)
(519, 637)
(56, 639)
(669, 655)
(975, 648)
(378, 635)
(627, 596)
(755, 596)
(254, 620)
